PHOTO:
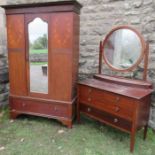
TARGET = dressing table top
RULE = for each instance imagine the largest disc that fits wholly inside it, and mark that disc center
(115, 86)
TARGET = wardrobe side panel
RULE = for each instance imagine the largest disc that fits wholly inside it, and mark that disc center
(16, 54)
(75, 63)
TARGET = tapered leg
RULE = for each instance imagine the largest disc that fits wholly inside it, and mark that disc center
(78, 114)
(78, 108)
(78, 117)
(145, 131)
(69, 125)
(132, 140)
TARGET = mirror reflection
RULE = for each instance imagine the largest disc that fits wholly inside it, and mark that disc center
(122, 49)
(38, 55)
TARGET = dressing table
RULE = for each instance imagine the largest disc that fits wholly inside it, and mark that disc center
(117, 101)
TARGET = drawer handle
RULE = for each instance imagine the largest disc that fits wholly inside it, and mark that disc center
(89, 109)
(89, 99)
(55, 108)
(115, 120)
(117, 99)
(117, 109)
(90, 90)
(23, 104)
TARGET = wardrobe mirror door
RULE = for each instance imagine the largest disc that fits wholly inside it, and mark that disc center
(38, 56)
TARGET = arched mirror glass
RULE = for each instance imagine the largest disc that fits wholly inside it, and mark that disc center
(38, 55)
(122, 49)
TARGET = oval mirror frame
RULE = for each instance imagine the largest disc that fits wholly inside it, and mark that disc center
(143, 47)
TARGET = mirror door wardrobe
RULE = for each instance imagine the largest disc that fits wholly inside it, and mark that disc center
(117, 101)
(43, 49)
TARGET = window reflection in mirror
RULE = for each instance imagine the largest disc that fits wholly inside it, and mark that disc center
(38, 55)
(123, 48)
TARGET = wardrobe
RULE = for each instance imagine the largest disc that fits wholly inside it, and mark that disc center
(43, 52)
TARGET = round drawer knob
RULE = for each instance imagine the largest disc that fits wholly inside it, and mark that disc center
(23, 104)
(89, 109)
(89, 99)
(90, 90)
(117, 109)
(117, 99)
(115, 120)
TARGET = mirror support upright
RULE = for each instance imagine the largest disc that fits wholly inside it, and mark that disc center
(146, 61)
(100, 57)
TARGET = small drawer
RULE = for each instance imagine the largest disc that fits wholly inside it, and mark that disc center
(115, 104)
(85, 94)
(104, 96)
(106, 117)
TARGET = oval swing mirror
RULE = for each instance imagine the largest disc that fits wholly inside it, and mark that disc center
(123, 48)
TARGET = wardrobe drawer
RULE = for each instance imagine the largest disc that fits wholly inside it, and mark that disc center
(27, 106)
(106, 117)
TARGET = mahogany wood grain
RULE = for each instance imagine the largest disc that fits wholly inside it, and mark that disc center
(106, 118)
(100, 57)
(63, 56)
(62, 6)
(62, 111)
(116, 103)
(106, 101)
(146, 62)
(125, 81)
(16, 54)
(132, 92)
(61, 45)
(75, 53)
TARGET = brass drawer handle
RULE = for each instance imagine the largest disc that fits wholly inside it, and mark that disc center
(55, 108)
(89, 109)
(115, 120)
(89, 99)
(117, 109)
(23, 104)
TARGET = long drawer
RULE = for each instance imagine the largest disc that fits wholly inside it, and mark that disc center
(110, 102)
(43, 108)
(106, 118)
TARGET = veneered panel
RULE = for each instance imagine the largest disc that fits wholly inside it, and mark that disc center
(61, 49)
(62, 30)
(16, 52)
(15, 31)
